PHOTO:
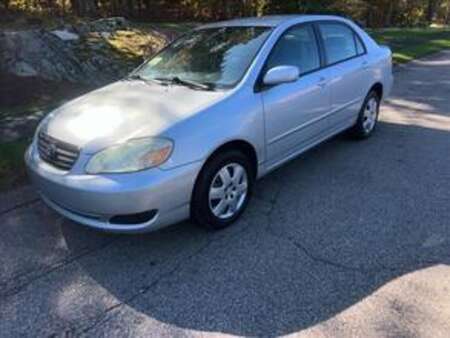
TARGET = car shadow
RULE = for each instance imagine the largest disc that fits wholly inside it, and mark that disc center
(322, 234)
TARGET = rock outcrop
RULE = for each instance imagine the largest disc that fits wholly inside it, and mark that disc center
(77, 54)
(40, 68)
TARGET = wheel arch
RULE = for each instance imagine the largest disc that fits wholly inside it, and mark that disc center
(241, 145)
(378, 88)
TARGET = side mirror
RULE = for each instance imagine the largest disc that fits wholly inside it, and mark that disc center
(281, 74)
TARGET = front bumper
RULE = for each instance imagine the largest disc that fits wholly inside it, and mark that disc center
(93, 200)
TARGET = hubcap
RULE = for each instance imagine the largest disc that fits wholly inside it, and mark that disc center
(228, 191)
(370, 115)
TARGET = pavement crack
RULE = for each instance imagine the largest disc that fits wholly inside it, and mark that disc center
(19, 206)
(7, 293)
(298, 245)
(102, 318)
(274, 201)
(318, 259)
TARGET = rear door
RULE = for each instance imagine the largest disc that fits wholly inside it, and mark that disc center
(294, 112)
(346, 57)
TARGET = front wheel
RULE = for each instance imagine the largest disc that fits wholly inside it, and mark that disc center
(222, 191)
(368, 117)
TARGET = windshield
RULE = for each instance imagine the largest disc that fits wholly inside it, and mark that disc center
(213, 57)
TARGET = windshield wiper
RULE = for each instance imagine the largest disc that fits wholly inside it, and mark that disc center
(183, 82)
(135, 77)
(139, 78)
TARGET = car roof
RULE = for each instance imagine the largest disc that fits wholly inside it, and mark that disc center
(269, 21)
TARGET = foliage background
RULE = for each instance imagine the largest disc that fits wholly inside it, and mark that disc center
(371, 13)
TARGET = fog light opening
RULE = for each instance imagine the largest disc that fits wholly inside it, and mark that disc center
(133, 219)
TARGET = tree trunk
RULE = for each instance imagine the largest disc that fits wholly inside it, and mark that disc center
(390, 14)
(148, 7)
(447, 14)
(431, 11)
(130, 8)
(77, 7)
(368, 15)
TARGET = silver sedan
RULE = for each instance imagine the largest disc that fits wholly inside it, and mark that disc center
(188, 132)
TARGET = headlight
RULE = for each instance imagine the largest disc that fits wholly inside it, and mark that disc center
(135, 155)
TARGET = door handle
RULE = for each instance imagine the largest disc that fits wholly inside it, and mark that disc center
(322, 82)
(365, 64)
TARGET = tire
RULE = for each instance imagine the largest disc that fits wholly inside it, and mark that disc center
(365, 126)
(205, 208)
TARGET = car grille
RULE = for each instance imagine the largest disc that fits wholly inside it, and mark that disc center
(57, 153)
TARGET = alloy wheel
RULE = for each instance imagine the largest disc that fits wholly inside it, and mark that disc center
(228, 191)
(370, 115)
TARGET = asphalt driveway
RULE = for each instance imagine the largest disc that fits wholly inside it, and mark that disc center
(351, 239)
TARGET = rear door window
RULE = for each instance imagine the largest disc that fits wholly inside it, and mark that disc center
(339, 42)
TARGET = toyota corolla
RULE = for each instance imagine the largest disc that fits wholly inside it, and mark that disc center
(187, 134)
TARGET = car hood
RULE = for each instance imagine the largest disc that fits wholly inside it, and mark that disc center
(125, 110)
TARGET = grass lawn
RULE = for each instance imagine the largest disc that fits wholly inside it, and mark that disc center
(412, 43)
(407, 44)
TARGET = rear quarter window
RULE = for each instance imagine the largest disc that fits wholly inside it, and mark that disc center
(360, 49)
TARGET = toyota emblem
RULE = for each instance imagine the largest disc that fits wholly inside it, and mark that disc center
(53, 151)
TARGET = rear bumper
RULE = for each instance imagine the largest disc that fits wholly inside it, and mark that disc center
(388, 86)
(93, 200)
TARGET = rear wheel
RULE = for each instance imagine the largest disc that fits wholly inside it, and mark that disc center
(223, 190)
(368, 117)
